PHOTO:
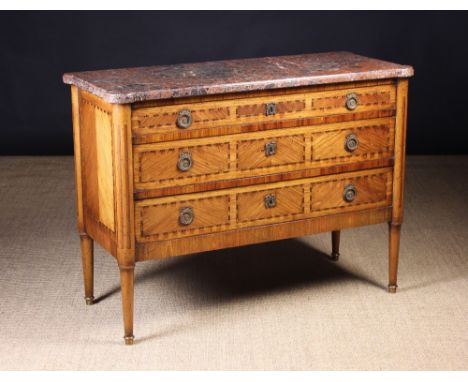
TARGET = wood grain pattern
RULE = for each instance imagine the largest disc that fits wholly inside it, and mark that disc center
(160, 164)
(123, 159)
(375, 140)
(398, 184)
(87, 258)
(259, 234)
(162, 218)
(163, 119)
(328, 195)
(154, 215)
(285, 175)
(105, 172)
(400, 149)
(290, 150)
(301, 148)
(77, 158)
(251, 205)
(94, 150)
(260, 93)
(265, 126)
(127, 278)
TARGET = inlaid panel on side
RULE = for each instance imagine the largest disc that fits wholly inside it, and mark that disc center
(215, 211)
(96, 132)
(163, 122)
(240, 156)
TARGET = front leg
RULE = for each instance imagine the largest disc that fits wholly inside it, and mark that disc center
(126, 285)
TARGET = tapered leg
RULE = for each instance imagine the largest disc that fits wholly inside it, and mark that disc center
(394, 249)
(87, 257)
(335, 255)
(126, 285)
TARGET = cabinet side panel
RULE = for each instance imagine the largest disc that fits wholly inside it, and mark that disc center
(97, 168)
(105, 169)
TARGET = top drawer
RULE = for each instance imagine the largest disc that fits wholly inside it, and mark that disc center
(198, 119)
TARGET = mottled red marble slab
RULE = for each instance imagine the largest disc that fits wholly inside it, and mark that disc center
(232, 76)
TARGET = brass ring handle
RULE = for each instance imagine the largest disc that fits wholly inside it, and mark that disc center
(270, 149)
(270, 201)
(351, 101)
(185, 161)
(270, 109)
(184, 119)
(186, 215)
(351, 142)
(349, 193)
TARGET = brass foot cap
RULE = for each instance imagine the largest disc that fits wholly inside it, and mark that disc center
(129, 340)
(335, 256)
(392, 288)
(89, 300)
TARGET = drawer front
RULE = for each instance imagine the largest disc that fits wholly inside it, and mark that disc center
(215, 211)
(183, 162)
(267, 204)
(174, 122)
(173, 164)
(270, 151)
(348, 192)
(183, 217)
(352, 144)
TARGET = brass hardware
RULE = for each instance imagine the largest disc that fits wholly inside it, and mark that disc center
(89, 300)
(349, 193)
(185, 161)
(270, 109)
(351, 142)
(351, 101)
(129, 340)
(270, 149)
(186, 215)
(184, 120)
(270, 201)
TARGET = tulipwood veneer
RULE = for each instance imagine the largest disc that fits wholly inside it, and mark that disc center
(174, 160)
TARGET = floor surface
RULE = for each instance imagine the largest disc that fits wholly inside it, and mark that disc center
(275, 306)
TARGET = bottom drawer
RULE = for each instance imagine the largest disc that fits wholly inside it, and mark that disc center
(201, 213)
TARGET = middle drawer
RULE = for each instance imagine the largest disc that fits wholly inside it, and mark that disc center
(178, 163)
(206, 212)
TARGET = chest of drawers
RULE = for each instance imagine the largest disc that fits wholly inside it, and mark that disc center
(174, 160)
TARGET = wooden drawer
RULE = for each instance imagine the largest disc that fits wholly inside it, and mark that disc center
(250, 155)
(347, 192)
(266, 204)
(171, 218)
(270, 151)
(160, 123)
(215, 211)
(353, 143)
(182, 161)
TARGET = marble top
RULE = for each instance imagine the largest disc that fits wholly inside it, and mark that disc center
(244, 75)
